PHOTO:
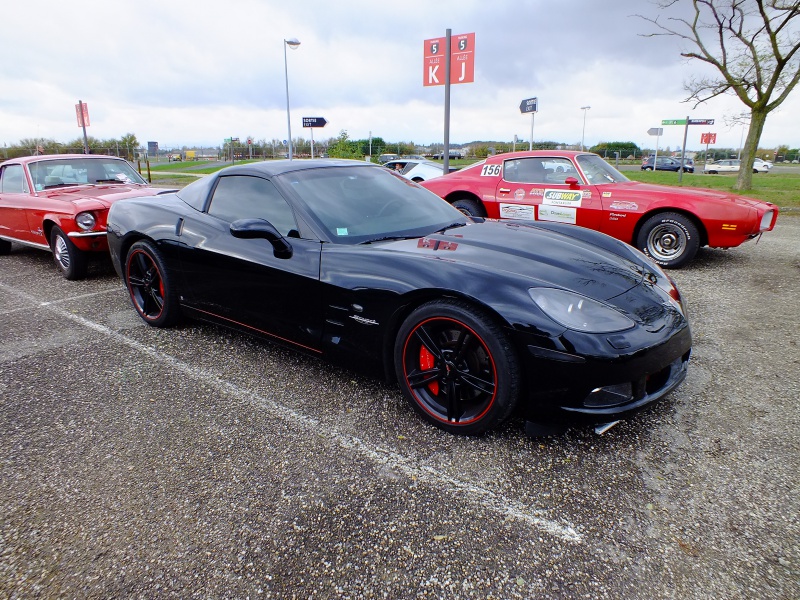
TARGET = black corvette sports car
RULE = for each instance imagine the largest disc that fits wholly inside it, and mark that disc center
(475, 319)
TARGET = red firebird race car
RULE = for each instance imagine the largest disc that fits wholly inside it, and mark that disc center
(60, 202)
(668, 224)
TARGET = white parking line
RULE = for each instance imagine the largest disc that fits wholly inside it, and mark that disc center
(51, 302)
(498, 503)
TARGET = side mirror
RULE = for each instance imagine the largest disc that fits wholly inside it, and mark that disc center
(572, 182)
(249, 229)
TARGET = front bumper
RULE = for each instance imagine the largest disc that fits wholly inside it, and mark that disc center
(579, 388)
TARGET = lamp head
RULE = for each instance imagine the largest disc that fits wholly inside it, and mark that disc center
(293, 43)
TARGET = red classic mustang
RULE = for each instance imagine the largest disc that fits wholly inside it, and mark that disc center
(60, 203)
(668, 224)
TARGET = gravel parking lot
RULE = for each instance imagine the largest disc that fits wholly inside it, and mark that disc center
(196, 462)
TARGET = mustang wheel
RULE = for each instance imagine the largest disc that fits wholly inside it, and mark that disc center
(470, 207)
(5, 247)
(147, 281)
(456, 367)
(70, 260)
(670, 239)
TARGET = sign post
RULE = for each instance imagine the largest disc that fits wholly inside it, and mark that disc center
(531, 105)
(461, 49)
(82, 111)
(708, 138)
(658, 132)
(311, 123)
(685, 122)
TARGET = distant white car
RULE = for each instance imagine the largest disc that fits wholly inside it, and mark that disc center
(759, 162)
(415, 169)
(731, 166)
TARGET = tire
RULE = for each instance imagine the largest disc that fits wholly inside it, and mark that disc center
(71, 261)
(151, 290)
(670, 239)
(712, 172)
(648, 169)
(457, 368)
(5, 247)
(470, 207)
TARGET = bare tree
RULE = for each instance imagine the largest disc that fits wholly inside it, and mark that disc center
(753, 44)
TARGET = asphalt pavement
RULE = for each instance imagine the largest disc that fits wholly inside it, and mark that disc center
(200, 463)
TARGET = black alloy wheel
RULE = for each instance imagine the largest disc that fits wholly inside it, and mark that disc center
(69, 259)
(456, 367)
(152, 294)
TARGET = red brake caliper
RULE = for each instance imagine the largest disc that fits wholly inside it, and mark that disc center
(426, 361)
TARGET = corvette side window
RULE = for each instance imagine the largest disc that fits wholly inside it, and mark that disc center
(243, 197)
(12, 180)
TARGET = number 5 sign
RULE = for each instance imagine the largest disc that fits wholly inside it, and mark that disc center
(462, 60)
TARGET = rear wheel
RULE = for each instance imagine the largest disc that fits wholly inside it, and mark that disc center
(456, 367)
(470, 207)
(670, 239)
(69, 259)
(5, 247)
(151, 290)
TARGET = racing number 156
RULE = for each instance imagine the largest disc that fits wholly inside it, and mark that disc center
(490, 170)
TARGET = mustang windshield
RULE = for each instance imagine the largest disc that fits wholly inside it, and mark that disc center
(598, 171)
(366, 204)
(78, 171)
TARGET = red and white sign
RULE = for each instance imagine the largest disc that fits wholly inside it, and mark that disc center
(708, 138)
(83, 119)
(462, 60)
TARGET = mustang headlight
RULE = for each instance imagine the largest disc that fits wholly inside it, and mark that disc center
(579, 312)
(85, 221)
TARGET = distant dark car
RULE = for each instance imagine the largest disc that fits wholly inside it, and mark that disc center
(348, 261)
(667, 163)
(59, 203)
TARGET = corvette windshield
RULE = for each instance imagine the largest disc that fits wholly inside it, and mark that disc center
(369, 204)
(598, 171)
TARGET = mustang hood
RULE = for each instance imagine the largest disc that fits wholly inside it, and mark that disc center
(599, 266)
(96, 196)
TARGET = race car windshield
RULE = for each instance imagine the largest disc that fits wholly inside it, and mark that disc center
(598, 171)
(364, 204)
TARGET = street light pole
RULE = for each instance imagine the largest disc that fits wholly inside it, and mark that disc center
(293, 44)
(583, 135)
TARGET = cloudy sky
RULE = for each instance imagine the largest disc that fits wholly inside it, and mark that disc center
(193, 73)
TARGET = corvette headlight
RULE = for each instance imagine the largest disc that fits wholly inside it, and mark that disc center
(574, 311)
(85, 221)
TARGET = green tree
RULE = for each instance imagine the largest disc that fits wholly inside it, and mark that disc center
(343, 147)
(753, 45)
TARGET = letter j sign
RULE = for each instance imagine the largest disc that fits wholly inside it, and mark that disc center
(462, 60)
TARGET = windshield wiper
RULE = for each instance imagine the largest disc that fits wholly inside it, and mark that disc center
(57, 185)
(390, 238)
(451, 226)
(109, 181)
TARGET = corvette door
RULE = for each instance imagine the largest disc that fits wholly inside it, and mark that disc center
(242, 280)
(535, 188)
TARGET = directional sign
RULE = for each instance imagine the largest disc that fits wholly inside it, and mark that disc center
(234, 139)
(708, 138)
(673, 122)
(82, 112)
(531, 105)
(462, 60)
(655, 131)
(701, 121)
(314, 122)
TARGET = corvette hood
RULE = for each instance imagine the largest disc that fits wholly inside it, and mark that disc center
(588, 262)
